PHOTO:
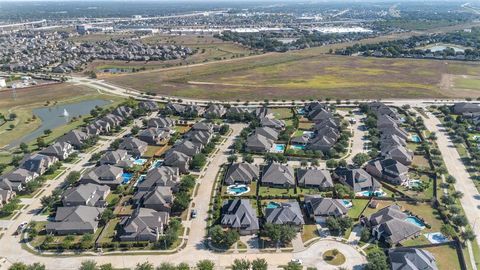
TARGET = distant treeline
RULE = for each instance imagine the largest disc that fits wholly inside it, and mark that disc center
(271, 41)
(412, 47)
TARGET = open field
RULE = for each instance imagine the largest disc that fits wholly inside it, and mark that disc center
(209, 49)
(29, 98)
(300, 75)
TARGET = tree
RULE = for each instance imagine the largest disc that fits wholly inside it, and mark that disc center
(18, 266)
(41, 142)
(47, 132)
(24, 148)
(360, 158)
(365, 235)
(88, 265)
(181, 201)
(166, 266)
(36, 266)
(205, 265)
(86, 241)
(240, 264)
(198, 161)
(248, 158)
(293, 266)
(12, 116)
(144, 266)
(224, 129)
(281, 234)
(72, 178)
(259, 264)
(183, 266)
(376, 260)
(221, 238)
(107, 266)
(332, 163)
(448, 230)
(135, 129)
(468, 235)
(232, 158)
(106, 216)
(460, 220)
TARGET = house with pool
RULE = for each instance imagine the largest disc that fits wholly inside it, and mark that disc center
(388, 170)
(360, 181)
(109, 175)
(285, 213)
(119, 158)
(392, 226)
(241, 173)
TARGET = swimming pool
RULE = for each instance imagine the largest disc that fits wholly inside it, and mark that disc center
(237, 190)
(271, 205)
(278, 148)
(310, 134)
(415, 138)
(156, 163)
(139, 161)
(367, 193)
(414, 183)
(301, 111)
(347, 203)
(140, 179)
(297, 147)
(415, 221)
(436, 238)
(126, 177)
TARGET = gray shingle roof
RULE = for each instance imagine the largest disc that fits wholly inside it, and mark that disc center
(411, 259)
(278, 174)
(318, 206)
(242, 173)
(288, 213)
(314, 177)
(239, 214)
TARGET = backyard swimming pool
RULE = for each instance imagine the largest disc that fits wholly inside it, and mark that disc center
(347, 203)
(156, 163)
(436, 238)
(415, 138)
(278, 148)
(367, 193)
(297, 147)
(139, 161)
(271, 205)
(415, 221)
(126, 177)
(237, 190)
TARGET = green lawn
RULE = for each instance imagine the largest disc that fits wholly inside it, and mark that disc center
(468, 83)
(357, 208)
(446, 257)
(275, 192)
(309, 232)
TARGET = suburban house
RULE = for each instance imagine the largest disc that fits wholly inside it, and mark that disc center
(75, 137)
(163, 176)
(319, 208)
(104, 175)
(267, 132)
(278, 175)
(6, 195)
(238, 214)
(314, 178)
(241, 173)
(17, 179)
(400, 154)
(466, 107)
(263, 112)
(143, 225)
(79, 219)
(215, 111)
(159, 198)
(357, 179)
(258, 143)
(153, 136)
(123, 111)
(160, 122)
(60, 150)
(411, 259)
(87, 194)
(272, 123)
(389, 225)
(37, 163)
(118, 158)
(187, 147)
(177, 159)
(203, 126)
(388, 170)
(113, 120)
(199, 137)
(175, 108)
(148, 105)
(134, 146)
(288, 213)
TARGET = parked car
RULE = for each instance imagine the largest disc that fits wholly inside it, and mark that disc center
(22, 227)
(193, 214)
(297, 261)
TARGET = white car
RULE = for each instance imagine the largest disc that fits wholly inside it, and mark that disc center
(22, 227)
(297, 261)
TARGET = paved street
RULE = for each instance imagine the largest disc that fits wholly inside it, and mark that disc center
(455, 167)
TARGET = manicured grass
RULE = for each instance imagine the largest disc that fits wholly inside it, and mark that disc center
(357, 208)
(276, 192)
(282, 113)
(309, 232)
(305, 125)
(446, 257)
(109, 232)
(241, 245)
(333, 257)
(152, 150)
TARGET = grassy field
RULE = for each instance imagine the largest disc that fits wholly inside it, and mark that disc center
(29, 98)
(208, 49)
(468, 83)
(302, 74)
(446, 257)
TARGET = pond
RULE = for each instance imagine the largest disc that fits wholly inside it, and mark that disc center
(55, 116)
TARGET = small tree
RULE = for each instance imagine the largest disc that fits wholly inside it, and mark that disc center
(72, 178)
(468, 235)
(205, 265)
(144, 266)
(88, 265)
(259, 264)
(24, 148)
(240, 264)
(47, 132)
(232, 158)
(360, 158)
